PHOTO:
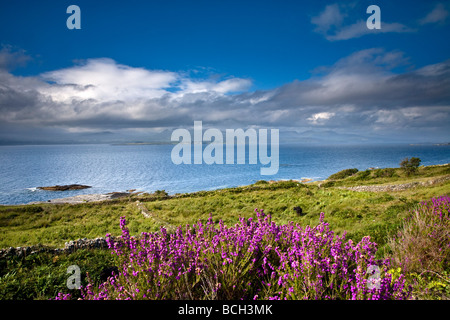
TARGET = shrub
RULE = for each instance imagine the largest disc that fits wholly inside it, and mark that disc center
(343, 174)
(328, 184)
(286, 184)
(362, 175)
(255, 259)
(42, 275)
(385, 173)
(410, 165)
(423, 243)
(161, 193)
(33, 209)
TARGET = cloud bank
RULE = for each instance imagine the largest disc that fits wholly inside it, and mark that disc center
(101, 100)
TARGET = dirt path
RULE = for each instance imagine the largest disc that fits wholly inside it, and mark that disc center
(148, 214)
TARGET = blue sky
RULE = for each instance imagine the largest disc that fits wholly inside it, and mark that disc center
(310, 68)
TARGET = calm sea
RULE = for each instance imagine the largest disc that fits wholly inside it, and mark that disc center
(109, 168)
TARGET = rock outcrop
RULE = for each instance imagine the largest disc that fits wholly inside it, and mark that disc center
(65, 187)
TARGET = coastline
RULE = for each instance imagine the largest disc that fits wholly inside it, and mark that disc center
(150, 173)
(84, 198)
(100, 197)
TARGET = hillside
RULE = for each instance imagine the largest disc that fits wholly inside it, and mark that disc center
(347, 207)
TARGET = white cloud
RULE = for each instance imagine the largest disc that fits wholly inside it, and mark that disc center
(330, 23)
(222, 87)
(100, 89)
(360, 29)
(10, 58)
(438, 15)
(105, 80)
(360, 93)
(329, 18)
(320, 117)
(232, 85)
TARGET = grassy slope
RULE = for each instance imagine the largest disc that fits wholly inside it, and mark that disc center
(358, 213)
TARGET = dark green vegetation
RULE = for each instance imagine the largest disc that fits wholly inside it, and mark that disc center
(343, 174)
(410, 166)
(385, 176)
(377, 214)
(42, 276)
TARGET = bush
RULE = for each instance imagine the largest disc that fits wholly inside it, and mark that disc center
(261, 182)
(328, 184)
(255, 259)
(43, 275)
(385, 173)
(423, 243)
(161, 193)
(410, 165)
(362, 175)
(343, 174)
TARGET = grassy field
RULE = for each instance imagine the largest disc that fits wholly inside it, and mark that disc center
(377, 214)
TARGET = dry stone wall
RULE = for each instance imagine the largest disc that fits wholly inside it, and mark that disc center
(71, 246)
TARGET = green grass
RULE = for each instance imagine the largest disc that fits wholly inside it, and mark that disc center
(387, 176)
(377, 214)
(358, 213)
(53, 225)
(42, 276)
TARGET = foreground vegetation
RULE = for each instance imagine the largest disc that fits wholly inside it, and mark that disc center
(254, 259)
(379, 215)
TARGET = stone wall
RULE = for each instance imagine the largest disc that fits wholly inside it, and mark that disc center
(397, 187)
(71, 246)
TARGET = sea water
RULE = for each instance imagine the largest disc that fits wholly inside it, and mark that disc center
(147, 168)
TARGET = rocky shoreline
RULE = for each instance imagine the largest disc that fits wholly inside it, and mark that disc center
(84, 198)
